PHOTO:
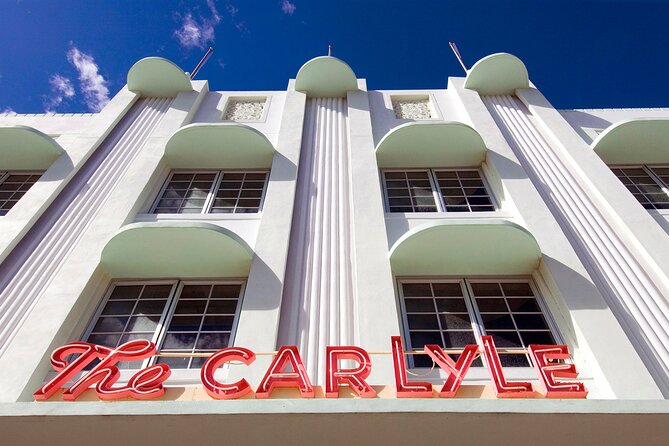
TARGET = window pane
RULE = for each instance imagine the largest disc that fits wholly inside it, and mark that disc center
(222, 306)
(150, 307)
(202, 321)
(238, 193)
(502, 321)
(191, 306)
(13, 187)
(110, 324)
(523, 305)
(195, 291)
(486, 289)
(228, 291)
(185, 323)
(530, 321)
(420, 338)
(646, 189)
(126, 292)
(463, 191)
(506, 339)
(419, 321)
(185, 193)
(213, 341)
(419, 305)
(143, 323)
(451, 305)
(447, 289)
(179, 341)
(409, 191)
(492, 304)
(449, 321)
(416, 289)
(456, 339)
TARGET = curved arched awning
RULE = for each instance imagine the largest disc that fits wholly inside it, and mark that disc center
(500, 73)
(431, 144)
(635, 141)
(469, 247)
(157, 77)
(176, 249)
(223, 145)
(23, 147)
(326, 77)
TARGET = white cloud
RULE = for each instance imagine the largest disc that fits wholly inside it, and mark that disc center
(7, 111)
(198, 32)
(91, 82)
(288, 7)
(61, 89)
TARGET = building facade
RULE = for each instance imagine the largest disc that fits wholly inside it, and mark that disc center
(333, 215)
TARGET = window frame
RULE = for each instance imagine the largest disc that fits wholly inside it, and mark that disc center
(648, 168)
(4, 174)
(474, 312)
(436, 190)
(211, 194)
(169, 309)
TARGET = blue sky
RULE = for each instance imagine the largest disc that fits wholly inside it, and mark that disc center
(71, 56)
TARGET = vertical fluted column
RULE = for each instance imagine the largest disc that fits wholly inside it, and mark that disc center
(318, 303)
(30, 267)
(631, 290)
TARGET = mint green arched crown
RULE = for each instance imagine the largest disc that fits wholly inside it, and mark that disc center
(326, 77)
(224, 145)
(176, 249)
(431, 144)
(157, 77)
(469, 247)
(497, 74)
(23, 147)
(635, 141)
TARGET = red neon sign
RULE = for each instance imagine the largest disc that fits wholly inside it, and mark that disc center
(287, 370)
(145, 384)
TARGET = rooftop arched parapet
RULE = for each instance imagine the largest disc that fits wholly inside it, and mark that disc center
(326, 77)
(634, 141)
(23, 147)
(465, 247)
(157, 77)
(225, 145)
(431, 144)
(497, 74)
(176, 249)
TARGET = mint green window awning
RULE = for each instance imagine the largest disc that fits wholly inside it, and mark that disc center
(157, 77)
(225, 145)
(326, 77)
(431, 144)
(470, 247)
(634, 141)
(497, 74)
(26, 148)
(176, 249)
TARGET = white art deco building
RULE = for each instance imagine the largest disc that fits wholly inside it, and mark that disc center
(333, 215)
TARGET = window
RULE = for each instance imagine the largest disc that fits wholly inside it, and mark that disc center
(648, 184)
(13, 185)
(436, 190)
(454, 313)
(179, 317)
(212, 192)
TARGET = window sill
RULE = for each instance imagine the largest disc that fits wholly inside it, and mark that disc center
(447, 215)
(198, 217)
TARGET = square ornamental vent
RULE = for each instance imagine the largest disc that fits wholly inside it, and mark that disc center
(412, 107)
(245, 109)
